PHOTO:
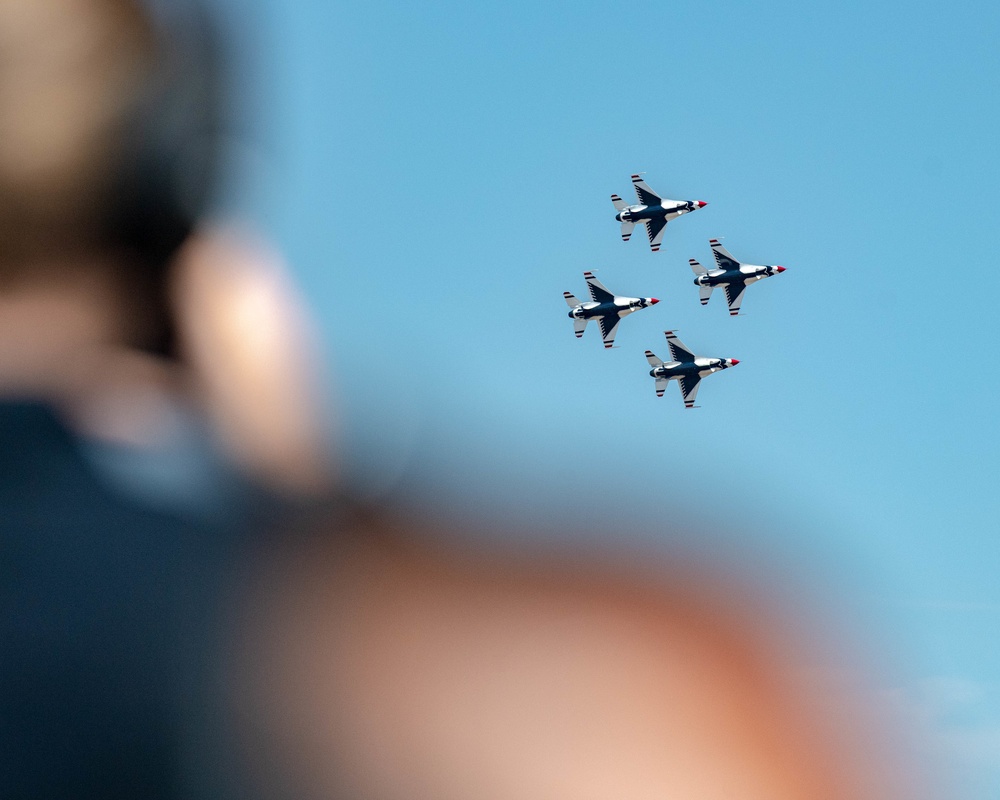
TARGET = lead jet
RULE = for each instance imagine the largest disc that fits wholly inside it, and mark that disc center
(652, 210)
(686, 368)
(605, 307)
(731, 274)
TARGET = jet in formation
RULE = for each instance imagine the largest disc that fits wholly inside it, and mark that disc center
(605, 307)
(652, 210)
(686, 368)
(730, 274)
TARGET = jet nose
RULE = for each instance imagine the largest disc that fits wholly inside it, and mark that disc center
(653, 301)
(780, 269)
(701, 203)
(733, 362)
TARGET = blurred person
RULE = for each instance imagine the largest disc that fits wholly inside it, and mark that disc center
(154, 399)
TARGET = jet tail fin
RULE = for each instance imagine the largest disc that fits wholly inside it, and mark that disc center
(571, 301)
(706, 294)
(653, 360)
(619, 203)
(697, 268)
(579, 326)
(627, 230)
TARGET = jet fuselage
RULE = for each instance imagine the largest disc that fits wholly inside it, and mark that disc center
(700, 366)
(747, 273)
(620, 306)
(668, 210)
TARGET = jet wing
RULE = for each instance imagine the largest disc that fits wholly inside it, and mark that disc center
(655, 228)
(646, 195)
(734, 296)
(689, 389)
(609, 325)
(722, 256)
(598, 292)
(678, 352)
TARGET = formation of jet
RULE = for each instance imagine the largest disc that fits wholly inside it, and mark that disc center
(652, 210)
(731, 274)
(605, 307)
(685, 368)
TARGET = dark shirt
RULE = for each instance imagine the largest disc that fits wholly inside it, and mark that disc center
(108, 622)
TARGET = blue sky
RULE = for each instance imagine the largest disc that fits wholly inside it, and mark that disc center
(439, 173)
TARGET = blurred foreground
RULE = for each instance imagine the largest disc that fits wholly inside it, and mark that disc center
(188, 613)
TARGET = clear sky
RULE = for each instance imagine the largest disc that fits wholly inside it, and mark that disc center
(439, 173)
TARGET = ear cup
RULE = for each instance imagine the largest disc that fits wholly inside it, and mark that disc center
(168, 160)
(169, 150)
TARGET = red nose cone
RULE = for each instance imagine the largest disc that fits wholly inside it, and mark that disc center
(780, 269)
(735, 362)
(653, 301)
(701, 203)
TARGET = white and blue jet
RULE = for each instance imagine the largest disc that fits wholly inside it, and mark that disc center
(733, 276)
(685, 368)
(605, 307)
(652, 210)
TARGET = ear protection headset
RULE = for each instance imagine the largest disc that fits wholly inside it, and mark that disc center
(168, 160)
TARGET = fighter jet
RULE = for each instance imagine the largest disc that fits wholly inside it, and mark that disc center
(607, 309)
(653, 210)
(731, 274)
(686, 368)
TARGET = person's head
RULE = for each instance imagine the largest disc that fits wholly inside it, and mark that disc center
(110, 131)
